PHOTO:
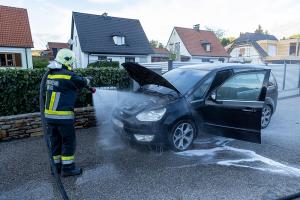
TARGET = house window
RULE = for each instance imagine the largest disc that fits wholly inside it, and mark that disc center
(129, 59)
(293, 49)
(298, 54)
(102, 58)
(205, 60)
(208, 47)
(10, 60)
(119, 40)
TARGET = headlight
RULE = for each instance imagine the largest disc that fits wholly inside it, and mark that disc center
(152, 115)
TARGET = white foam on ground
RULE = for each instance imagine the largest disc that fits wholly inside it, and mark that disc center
(248, 158)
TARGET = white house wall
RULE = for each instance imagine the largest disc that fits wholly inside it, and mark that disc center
(81, 58)
(174, 38)
(24, 52)
(121, 58)
(250, 54)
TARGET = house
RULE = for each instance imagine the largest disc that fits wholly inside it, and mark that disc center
(193, 44)
(160, 55)
(258, 48)
(15, 38)
(247, 48)
(102, 37)
(54, 47)
(285, 51)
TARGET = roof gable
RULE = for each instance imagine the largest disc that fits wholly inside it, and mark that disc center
(194, 40)
(95, 34)
(15, 28)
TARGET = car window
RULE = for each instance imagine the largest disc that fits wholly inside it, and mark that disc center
(246, 86)
(184, 79)
(200, 91)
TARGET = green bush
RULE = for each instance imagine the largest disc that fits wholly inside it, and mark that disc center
(104, 64)
(39, 63)
(19, 88)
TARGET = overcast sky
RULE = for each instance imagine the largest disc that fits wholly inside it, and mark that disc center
(50, 20)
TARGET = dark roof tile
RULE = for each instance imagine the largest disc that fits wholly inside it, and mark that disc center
(95, 34)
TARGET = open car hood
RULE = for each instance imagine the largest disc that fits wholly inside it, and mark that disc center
(145, 76)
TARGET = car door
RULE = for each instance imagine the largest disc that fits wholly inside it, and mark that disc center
(234, 108)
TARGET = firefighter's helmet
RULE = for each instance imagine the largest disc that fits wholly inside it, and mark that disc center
(65, 57)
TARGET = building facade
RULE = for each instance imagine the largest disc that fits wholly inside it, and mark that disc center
(195, 45)
(105, 38)
(15, 38)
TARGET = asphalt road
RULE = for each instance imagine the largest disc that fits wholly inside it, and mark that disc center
(216, 168)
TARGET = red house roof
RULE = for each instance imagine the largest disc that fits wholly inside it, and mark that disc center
(58, 45)
(15, 28)
(193, 40)
(160, 50)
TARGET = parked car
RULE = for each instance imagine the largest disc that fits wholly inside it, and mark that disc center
(220, 99)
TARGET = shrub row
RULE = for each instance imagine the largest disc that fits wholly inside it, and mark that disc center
(105, 64)
(19, 88)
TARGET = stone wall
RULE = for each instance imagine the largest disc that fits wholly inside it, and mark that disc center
(28, 125)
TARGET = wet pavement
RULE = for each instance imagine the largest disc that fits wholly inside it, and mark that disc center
(216, 168)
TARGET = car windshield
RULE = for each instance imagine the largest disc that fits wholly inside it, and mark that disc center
(182, 79)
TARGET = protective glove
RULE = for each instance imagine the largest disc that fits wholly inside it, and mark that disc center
(92, 90)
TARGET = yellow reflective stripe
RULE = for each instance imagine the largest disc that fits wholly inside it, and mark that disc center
(55, 112)
(53, 95)
(69, 68)
(56, 157)
(67, 158)
(59, 76)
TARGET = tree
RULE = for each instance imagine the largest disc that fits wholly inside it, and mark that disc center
(153, 43)
(295, 36)
(227, 40)
(219, 32)
(259, 29)
(156, 44)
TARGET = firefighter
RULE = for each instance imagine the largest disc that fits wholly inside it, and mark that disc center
(62, 86)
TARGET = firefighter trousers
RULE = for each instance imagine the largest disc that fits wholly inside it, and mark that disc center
(63, 142)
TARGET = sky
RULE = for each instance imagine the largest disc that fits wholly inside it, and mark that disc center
(50, 20)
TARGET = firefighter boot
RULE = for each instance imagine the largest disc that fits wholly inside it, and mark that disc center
(70, 170)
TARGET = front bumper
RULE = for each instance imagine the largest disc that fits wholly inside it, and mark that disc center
(136, 130)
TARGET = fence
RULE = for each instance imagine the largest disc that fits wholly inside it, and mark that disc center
(287, 75)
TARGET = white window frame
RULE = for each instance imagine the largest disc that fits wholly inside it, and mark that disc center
(119, 40)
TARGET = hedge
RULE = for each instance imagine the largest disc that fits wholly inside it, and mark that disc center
(39, 62)
(104, 64)
(19, 88)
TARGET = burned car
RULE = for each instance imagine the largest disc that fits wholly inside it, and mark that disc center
(220, 99)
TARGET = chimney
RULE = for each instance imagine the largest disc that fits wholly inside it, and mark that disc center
(196, 27)
(105, 14)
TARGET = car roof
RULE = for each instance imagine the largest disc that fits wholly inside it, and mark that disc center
(236, 67)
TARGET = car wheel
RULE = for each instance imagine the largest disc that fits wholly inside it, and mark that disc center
(266, 116)
(182, 135)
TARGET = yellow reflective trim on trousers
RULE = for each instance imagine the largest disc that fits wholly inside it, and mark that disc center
(53, 95)
(59, 76)
(56, 157)
(64, 158)
(55, 112)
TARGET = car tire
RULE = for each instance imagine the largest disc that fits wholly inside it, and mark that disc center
(182, 135)
(266, 116)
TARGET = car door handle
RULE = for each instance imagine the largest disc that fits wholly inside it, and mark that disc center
(249, 109)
